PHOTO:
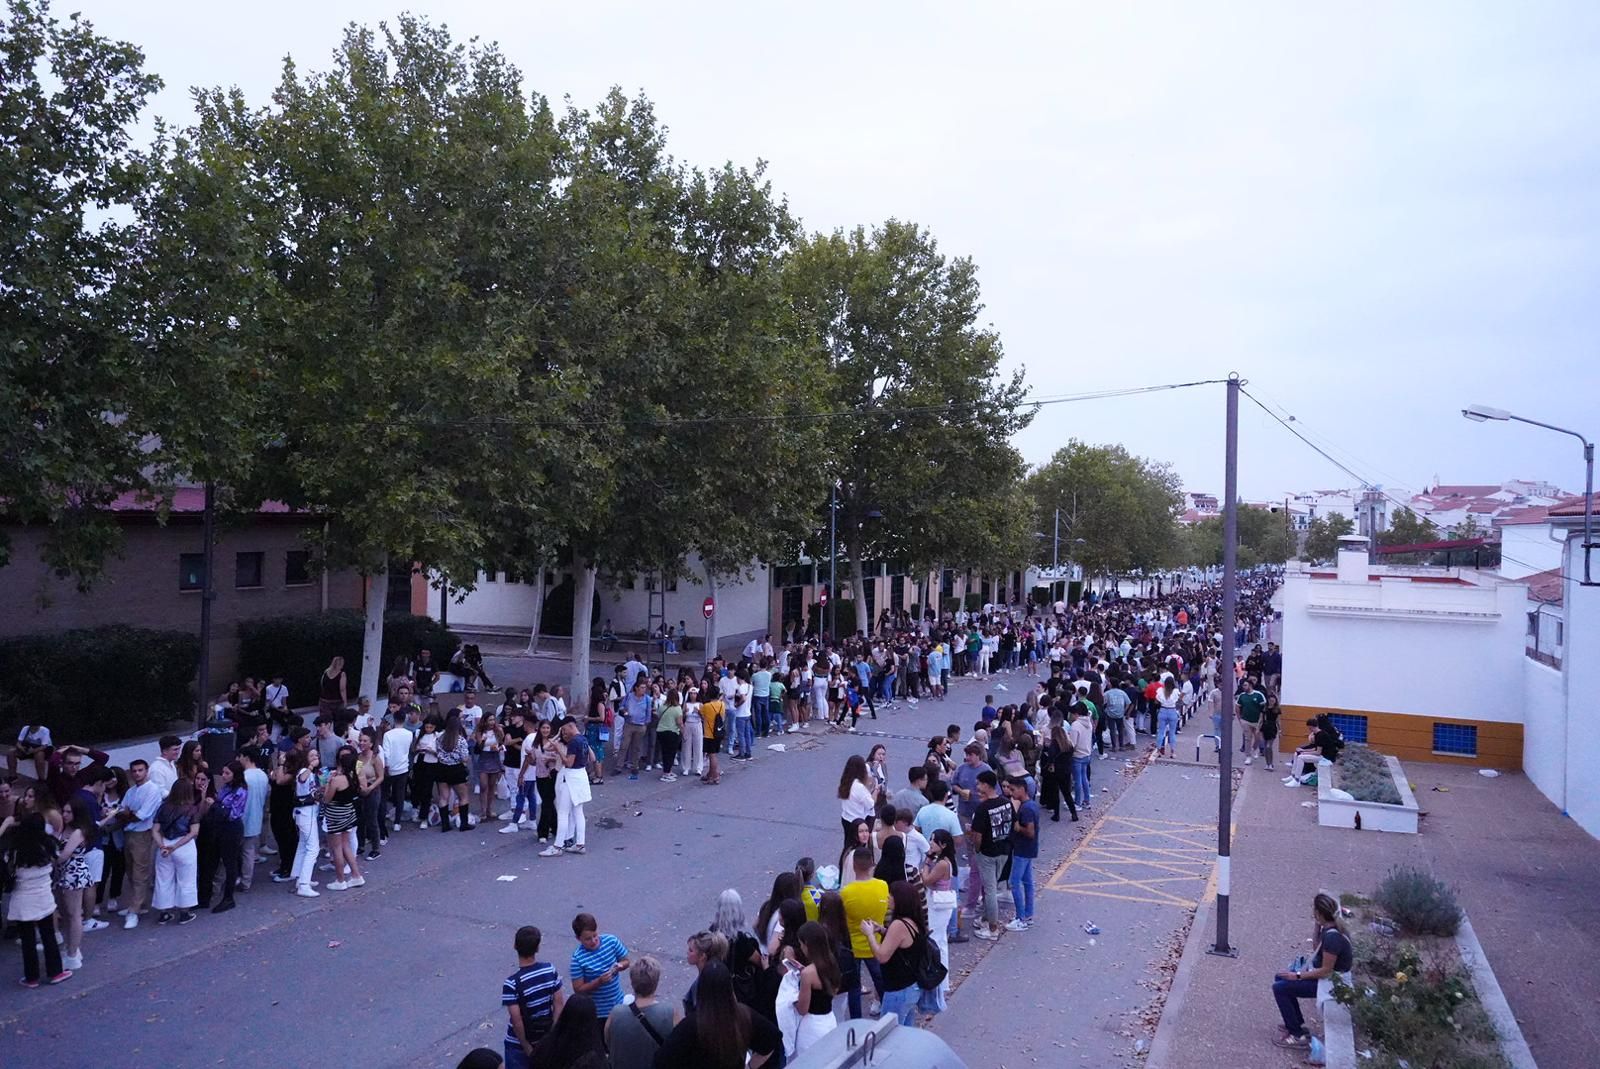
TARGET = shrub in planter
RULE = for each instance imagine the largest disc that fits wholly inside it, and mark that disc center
(1364, 772)
(300, 647)
(98, 684)
(1419, 902)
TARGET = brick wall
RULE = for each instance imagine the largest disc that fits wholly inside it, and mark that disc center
(141, 587)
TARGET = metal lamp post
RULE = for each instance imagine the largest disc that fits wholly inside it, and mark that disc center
(1481, 413)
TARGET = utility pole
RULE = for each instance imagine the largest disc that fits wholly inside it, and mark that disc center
(833, 556)
(208, 592)
(1055, 557)
(1230, 607)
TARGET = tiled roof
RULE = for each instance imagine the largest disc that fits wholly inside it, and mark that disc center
(1544, 586)
(1463, 490)
(1573, 506)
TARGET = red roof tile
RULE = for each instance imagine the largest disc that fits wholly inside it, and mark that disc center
(1573, 507)
(1545, 586)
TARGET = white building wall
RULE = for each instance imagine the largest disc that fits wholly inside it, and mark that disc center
(1581, 663)
(1395, 646)
(1526, 548)
(1544, 708)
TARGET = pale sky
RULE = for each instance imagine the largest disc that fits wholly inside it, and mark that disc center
(1377, 213)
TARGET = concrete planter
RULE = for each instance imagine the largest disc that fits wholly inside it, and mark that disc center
(1375, 816)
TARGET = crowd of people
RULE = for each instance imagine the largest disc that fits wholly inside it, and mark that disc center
(923, 863)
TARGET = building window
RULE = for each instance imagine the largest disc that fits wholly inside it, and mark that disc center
(1457, 740)
(793, 611)
(1352, 726)
(1561, 633)
(191, 571)
(297, 567)
(672, 585)
(897, 593)
(247, 570)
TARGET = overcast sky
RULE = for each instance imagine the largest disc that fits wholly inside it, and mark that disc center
(1376, 213)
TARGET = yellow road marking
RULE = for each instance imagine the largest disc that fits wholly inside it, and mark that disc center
(1123, 851)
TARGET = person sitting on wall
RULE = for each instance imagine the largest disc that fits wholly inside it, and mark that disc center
(608, 637)
(1322, 741)
(33, 744)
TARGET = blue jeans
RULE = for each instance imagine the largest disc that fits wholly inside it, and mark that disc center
(1167, 729)
(515, 1059)
(888, 695)
(1288, 993)
(1022, 886)
(760, 710)
(746, 733)
(903, 1004)
(850, 983)
(527, 794)
(1080, 778)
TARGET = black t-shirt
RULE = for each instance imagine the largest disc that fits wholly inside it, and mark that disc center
(682, 1048)
(1335, 943)
(993, 824)
(515, 733)
(1329, 743)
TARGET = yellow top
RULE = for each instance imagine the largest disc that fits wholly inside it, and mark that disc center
(864, 900)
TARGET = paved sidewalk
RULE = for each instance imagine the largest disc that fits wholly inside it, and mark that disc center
(1527, 877)
(1061, 997)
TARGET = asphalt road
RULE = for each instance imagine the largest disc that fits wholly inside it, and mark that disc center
(407, 970)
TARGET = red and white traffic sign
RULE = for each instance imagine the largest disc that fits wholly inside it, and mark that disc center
(709, 607)
(822, 599)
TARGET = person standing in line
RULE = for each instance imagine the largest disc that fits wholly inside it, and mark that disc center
(333, 695)
(307, 797)
(339, 819)
(1270, 716)
(1252, 703)
(694, 734)
(30, 854)
(176, 826)
(761, 697)
(1024, 851)
(866, 901)
(488, 748)
(74, 875)
(857, 799)
(223, 824)
(1081, 735)
(1167, 698)
(669, 735)
(713, 714)
(742, 718)
(258, 790)
(137, 817)
(451, 783)
(525, 788)
(635, 1031)
(372, 831)
(819, 980)
(572, 793)
(992, 827)
(597, 962)
(546, 764)
(939, 875)
(395, 746)
(637, 709)
(532, 998)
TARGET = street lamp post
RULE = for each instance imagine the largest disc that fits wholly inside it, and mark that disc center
(1480, 413)
(833, 556)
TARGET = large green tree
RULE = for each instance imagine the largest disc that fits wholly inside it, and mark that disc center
(1118, 512)
(1262, 539)
(76, 398)
(897, 325)
(1322, 536)
(1406, 528)
(415, 177)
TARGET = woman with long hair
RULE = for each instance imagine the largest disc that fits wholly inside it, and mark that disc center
(307, 797)
(30, 852)
(832, 916)
(892, 865)
(1167, 698)
(111, 845)
(190, 760)
(785, 885)
(744, 949)
(339, 818)
(575, 1041)
(720, 1033)
(222, 837)
(819, 980)
(597, 729)
(861, 835)
(371, 819)
(333, 692)
(939, 873)
(694, 732)
(425, 770)
(489, 748)
(177, 824)
(398, 676)
(1058, 772)
(451, 782)
(899, 948)
(1331, 953)
(537, 752)
(857, 799)
(74, 879)
(878, 768)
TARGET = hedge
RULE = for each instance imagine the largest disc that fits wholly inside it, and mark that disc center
(300, 647)
(98, 684)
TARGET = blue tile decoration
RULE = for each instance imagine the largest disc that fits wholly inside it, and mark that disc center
(1351, 725)
(1460, 740)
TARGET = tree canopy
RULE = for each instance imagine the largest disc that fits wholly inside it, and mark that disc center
(1118, 512)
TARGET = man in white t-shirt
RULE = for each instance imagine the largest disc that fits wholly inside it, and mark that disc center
(396, 749)
(163, 772)
(751, 649)
(471, 712)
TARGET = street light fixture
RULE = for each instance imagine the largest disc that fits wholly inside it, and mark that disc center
(1481, 413)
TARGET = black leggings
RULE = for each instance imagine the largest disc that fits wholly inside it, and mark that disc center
(226, 841)
(547, 806)
(668, 743)
(281, 814)
(111, 876)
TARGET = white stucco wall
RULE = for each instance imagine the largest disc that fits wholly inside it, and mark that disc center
(1401, 647)
(1581, 662)
(1543, 734)
(1526, 548)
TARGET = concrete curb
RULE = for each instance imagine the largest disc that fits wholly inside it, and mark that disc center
(1512, 1043)
(1161, 1053)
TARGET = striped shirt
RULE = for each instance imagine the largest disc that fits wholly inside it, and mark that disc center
(534, 989)
(592, 964)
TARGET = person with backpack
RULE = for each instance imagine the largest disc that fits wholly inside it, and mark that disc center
(898, 949)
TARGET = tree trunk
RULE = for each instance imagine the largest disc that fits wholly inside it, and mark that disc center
(583, 571)
(538, 611)
(711, 624)
(858, 583)
(372, 638)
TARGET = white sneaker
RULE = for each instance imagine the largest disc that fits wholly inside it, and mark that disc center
(72, 961)
(306, 891)
(1247, 760)
(359, 881)
(113, 907)
(338, 885)
(95, 924)
(132, 921)
(551, 851)
(525, 822)
(791, 729)
(668, 777)
(505, 816)
(983, 932)
(1016, 924)
(509, 829)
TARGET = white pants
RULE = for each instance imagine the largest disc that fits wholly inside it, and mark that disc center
(569, 815)
(940, 905)
(694, 746)
(305, 858)
(175, 878)
(983, 662)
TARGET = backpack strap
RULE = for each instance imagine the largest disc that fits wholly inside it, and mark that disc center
(639, 1016)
